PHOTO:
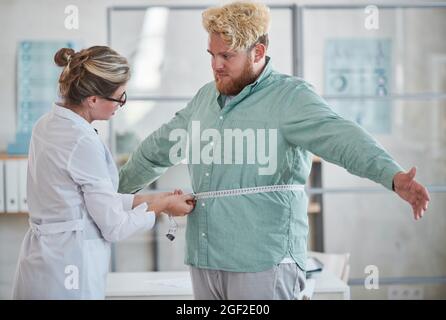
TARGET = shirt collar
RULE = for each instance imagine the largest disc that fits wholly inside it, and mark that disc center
(265, 72)
(66, 113)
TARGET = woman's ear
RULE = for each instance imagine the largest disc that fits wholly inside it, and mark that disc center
(91, 101)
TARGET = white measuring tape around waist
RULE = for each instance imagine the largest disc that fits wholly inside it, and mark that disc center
(251, 190)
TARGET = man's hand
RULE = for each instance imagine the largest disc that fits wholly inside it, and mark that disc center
(411, 191)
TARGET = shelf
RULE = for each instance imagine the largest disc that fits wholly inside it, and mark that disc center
(4, 156)
(314, 207)
(13, 213)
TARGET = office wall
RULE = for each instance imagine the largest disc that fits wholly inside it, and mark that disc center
(30, 20)
(378, 229)
(26, 19)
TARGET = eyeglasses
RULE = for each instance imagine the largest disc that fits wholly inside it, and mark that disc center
(122, 100)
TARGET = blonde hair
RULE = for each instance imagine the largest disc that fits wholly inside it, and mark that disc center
(96, 71)
(240, 24)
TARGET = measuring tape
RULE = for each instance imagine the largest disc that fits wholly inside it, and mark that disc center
(252, 190)
(233, 192)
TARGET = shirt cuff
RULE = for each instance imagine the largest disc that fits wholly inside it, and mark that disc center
(146, 218)
(127, 201)
(388, 175)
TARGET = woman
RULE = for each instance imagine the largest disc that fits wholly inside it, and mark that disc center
(75, 210)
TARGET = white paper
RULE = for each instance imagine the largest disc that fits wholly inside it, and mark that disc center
(2, 188)
(12, 185)
(23, 169)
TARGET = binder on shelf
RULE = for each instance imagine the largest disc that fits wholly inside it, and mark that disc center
(12, 186)
(23, 169)
(2, 187)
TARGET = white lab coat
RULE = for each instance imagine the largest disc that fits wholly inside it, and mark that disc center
(75, 211)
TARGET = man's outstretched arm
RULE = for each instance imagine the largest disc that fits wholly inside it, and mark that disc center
(312, 125)
(152, 157)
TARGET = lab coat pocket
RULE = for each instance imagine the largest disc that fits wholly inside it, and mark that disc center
(96, 266)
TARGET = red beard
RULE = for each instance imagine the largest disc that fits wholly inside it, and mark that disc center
(234, 86)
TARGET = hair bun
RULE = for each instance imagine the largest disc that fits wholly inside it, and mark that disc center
(63, 56)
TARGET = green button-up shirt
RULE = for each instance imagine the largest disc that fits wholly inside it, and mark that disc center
(251, 233)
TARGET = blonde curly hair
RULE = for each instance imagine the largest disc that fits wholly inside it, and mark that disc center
(240, 24)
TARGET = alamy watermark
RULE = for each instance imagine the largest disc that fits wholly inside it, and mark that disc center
(72, 279)
(371, 21)
(72, 19)
(371, 281)
(237, 146)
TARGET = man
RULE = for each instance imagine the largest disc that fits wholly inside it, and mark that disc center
(240, 246)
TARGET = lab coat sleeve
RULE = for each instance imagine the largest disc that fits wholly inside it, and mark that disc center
(110, 211)
(152, 157)
(308, 122)
(127, 200)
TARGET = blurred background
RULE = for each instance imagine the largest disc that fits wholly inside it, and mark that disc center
(389, 77)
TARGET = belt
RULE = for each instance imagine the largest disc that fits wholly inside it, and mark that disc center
(86, 225)
(57, 227)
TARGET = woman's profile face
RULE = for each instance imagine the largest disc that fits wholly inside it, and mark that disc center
(106, 107)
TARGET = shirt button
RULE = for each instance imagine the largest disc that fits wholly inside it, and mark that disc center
(207, 174)
(221, 117)
(203, 234)
(203, 204)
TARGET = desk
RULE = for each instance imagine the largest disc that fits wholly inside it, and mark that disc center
(329, 287)
(178, 286)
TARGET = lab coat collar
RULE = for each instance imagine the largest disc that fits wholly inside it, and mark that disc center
(66, 113)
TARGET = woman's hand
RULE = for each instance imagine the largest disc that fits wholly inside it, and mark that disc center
(175, 203)
(154, 201)
(179, 204)
(192, 202)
